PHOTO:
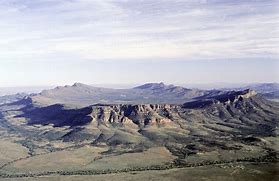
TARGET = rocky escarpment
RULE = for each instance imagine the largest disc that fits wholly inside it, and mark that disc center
(109, 115)
(231, 97)
(12, 98)
(236, 112)
(133, 115)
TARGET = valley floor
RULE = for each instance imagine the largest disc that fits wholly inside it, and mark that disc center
(228, 172)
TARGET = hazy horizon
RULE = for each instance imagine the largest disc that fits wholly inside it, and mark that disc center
(209, 86)
(131, 85)
(49, 42)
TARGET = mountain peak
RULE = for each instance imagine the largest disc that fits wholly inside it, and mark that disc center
(248, 93)
(152, 86)
(78, 84)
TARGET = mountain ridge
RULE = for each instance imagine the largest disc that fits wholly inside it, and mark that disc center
(228, 105)
(82, 95)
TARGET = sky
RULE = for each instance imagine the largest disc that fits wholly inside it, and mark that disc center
(50, 42)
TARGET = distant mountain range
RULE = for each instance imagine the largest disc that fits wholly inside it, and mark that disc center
(151, 93)
(12, 98)
(267, 90)
(81, 95)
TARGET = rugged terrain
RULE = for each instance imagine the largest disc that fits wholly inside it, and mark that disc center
(267, 90)
(43, 138)
(12, 98)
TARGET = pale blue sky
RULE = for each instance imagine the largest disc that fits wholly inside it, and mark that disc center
(50, 42)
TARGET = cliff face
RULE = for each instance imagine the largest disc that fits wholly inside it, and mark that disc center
(231, 97)
(136, 115)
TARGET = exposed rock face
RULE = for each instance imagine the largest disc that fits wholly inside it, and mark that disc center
(267, 90)
(231, 97)
(248, 93)
(138, 115)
